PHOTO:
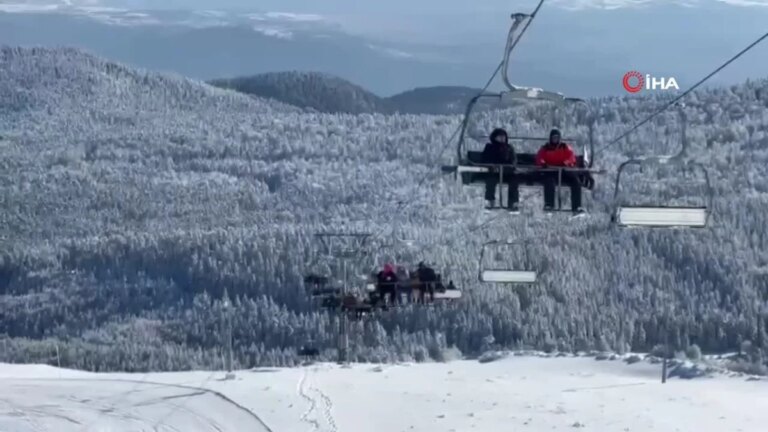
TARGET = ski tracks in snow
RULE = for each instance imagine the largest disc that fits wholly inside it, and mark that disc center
(314, 396)
(85, 405)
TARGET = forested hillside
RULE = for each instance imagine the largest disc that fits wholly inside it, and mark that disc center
(330, 94)
(132, 201)
(322, 92)
(444, 100)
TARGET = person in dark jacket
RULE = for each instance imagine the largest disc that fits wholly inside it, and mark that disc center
(427, 282)
(498, 151)
(387, 283)
(557, 153)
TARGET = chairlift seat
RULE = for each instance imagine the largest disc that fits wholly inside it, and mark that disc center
(508, 276)
(448, 294)
(661, 216)
(481, 174)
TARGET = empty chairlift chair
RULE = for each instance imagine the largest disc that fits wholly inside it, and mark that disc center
(519, 272)
(629, 212)
(659, 214)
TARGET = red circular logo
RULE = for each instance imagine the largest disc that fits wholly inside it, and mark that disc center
(638, 86)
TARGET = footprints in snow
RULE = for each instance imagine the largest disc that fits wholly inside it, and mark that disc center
(312, 394)
(301, 390)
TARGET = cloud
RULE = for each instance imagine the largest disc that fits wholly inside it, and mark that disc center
(274, 32)
(283, 25)
(763, 3)
(32, 6)
(391, 52)
(620, 4)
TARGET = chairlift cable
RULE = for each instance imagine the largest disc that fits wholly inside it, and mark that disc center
(684, 94)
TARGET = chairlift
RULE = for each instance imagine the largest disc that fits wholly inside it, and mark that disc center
(335, 248)
(663, 215)
(443, 290)
(471, 166)
(522, 274)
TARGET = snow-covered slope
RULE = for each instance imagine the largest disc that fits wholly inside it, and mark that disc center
(521, 393)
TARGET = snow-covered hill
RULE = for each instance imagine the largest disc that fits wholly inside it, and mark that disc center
(130, 202)
(519, 393)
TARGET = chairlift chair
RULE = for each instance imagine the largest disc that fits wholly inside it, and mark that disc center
(441, 291)
(661, 215)
(516, 276)
(471, 167)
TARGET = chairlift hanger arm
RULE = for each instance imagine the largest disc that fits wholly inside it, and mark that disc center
(683, 154)
(513, 39)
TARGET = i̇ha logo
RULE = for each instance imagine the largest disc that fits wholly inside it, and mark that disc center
(634, 81)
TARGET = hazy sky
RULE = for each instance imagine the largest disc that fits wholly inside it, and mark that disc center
(337, 6)
(424, 21)
(401, 6)
(681, 38)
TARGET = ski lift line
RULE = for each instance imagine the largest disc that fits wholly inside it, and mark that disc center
(685, 93)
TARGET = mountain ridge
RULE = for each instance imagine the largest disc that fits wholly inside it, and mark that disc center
(327, 93)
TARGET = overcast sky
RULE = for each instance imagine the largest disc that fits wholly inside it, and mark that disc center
(427, 21)
(596, 39)
(407, 6)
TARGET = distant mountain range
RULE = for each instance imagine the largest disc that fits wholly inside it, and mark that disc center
(212, 44)
(581, 53)
(331, 94)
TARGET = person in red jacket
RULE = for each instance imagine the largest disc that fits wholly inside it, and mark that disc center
(556, 153)
(386, 283)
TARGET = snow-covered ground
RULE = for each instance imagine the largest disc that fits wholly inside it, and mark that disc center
(513, 394)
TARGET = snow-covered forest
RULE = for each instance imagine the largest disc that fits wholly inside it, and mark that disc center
(132, 200)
